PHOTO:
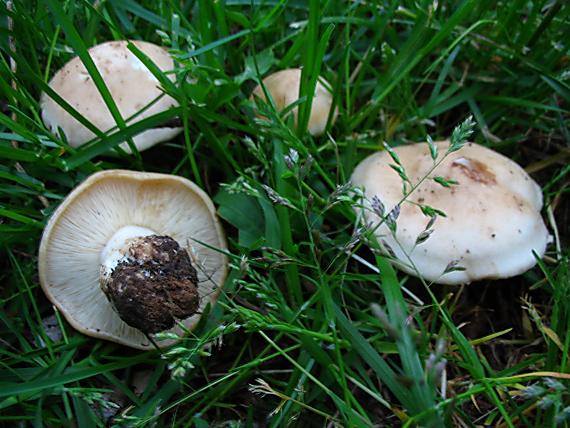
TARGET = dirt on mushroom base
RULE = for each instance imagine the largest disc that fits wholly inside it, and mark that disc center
(155, 285)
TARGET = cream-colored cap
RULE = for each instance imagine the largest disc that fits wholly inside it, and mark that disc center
(131, 84)
(77, 234)
(284, 88)
(493, 221)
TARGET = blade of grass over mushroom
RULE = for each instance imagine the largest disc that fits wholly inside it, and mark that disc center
(316, 46)
(85, 154)
(207, 33)
(22, 64)
(79, 46)
(172, 90)
(166, 83)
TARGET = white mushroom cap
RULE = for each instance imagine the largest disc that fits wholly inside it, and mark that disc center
(130, 83)
(493, 221)
(284, 88)
(75, 240)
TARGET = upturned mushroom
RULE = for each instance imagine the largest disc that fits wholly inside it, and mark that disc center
(133, 87)
(129, 254)
(284, 87)
(492, 226)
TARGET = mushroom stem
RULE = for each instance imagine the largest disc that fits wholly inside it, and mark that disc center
(117, 247)
(149, 279)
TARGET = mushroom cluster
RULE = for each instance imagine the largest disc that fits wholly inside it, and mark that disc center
(130, 254)
(135, 91)
(127, 254)
(284, 87)
(492, 226)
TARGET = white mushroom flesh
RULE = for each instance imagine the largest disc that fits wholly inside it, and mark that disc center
(116, 249)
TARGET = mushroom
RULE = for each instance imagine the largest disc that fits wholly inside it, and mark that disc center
(492, 223)
(284, 88)
(131, 84)
(128, 253)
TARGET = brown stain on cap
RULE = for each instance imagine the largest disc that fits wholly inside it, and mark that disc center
(475, 170)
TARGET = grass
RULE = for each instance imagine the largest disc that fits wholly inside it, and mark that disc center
(295, 339)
